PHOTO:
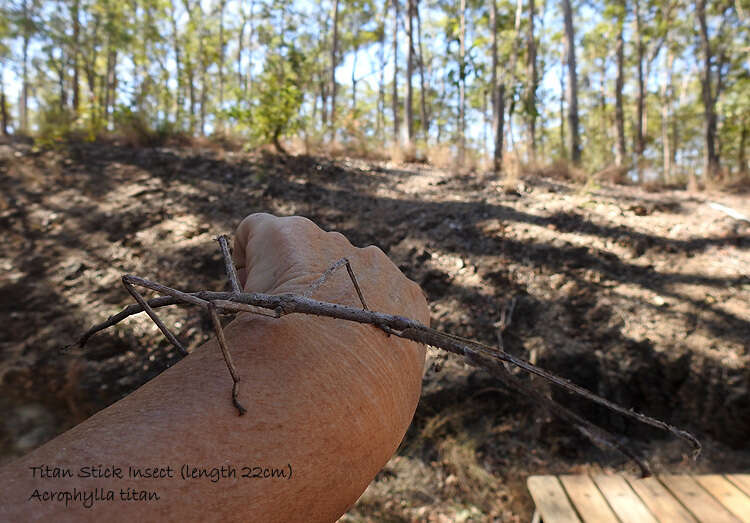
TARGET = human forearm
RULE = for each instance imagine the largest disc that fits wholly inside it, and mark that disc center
(330, 399)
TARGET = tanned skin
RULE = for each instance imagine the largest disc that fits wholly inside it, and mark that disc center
(328, 397)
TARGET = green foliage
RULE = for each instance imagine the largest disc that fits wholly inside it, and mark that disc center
(276, 112)
(146, 69)
(54, 126)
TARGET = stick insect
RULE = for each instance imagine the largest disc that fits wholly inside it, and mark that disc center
(496, 360)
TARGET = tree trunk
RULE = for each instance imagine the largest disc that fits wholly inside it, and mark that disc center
(604, 124)
(512, 67)
(61, 82)
(76, 50)
(91, 81)
(25, 75)
(485, 121)
(408, 102)
(323, 83)
(191, 92)
(178, 72)
(741, 156)
(3, 107)
(354, 80)
(277, 143)
(380, 117)
(394, 100)
(462, 84)
(710, 154)
(532, 78)
(110, 84)
(322, 76)
(666, 104)
(640, 98)
(113, 86)
(620, 150)
(574, 144)
(204, 87)
(500, 125)
(563, 66)
(422, 90)
(334, 63)
(89, 63)
(219, 118)
(241, 86)
(250, 50)
(497, 96)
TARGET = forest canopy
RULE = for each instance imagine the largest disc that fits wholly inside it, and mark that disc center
(657, 89)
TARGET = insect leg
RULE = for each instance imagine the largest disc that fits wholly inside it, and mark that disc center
(228, 263)
(227, 358)
(327, 274)
(129, 284)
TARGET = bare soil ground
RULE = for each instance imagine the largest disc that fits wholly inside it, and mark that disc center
(644, 298)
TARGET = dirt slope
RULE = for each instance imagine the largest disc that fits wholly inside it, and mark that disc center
(642, 297)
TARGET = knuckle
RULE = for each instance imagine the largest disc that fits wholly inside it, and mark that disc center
(337, 237)
(293, 226)
(253, 220)
(375, 253)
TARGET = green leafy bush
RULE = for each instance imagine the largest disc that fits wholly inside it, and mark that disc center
(55, 125)
(276, 111)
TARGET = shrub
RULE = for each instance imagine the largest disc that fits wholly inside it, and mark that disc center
(276, 111)
(55, 126)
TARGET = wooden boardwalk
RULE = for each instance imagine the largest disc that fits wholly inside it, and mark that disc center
(711, 498)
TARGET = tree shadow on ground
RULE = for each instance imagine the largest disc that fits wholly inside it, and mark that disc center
(581, 336)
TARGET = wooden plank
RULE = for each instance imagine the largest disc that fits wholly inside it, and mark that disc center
(623, 500)
(588, 501)
(550, 499)
(736, 501)
(741, 481)
(659, 501)
(703, 506)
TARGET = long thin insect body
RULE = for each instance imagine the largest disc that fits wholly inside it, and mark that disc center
(227, 358)
(595, 434)
(230, 268)
(400, 326)
(126, 280)
(493, 359)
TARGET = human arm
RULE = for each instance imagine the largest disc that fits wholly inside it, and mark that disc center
(330, 398)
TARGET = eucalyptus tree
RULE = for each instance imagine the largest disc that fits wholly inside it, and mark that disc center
(593, 100)
(394, 51)
(716, 56)
(574, 141)
(532, 79)
(334, 64)
(408, 100)
(362, 29)
(24, 19)
(4, 113)
(422, 86)
(497, 90)
(619, 10)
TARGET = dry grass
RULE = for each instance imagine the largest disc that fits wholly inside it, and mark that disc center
(467, 480)
(614, 174)
(512, 171)
(727, 181)
(440, 156)
(561, 170)
(738, 183)
(360, 148)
